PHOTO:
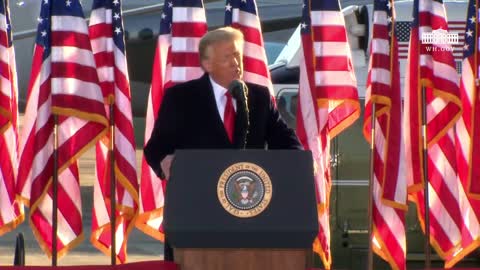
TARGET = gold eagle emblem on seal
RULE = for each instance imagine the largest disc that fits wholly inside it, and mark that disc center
(244, 190)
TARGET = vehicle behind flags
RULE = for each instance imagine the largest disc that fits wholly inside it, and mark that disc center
(63, 82)
(467, 131)
(182, 24)
(328, 100)
(431, 69)
(11, 210)
(243, 15)
(389, 183)
(108, 45)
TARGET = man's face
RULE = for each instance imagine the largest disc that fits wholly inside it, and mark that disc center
(224, 62)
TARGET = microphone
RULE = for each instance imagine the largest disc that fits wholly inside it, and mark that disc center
(239, 91)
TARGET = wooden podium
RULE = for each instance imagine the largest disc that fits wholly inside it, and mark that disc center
(242, 259)
(241, 209)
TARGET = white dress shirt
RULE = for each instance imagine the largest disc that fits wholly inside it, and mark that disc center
(220, 98)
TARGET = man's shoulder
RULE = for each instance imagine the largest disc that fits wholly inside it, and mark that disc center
(186, 88)
(258, 91)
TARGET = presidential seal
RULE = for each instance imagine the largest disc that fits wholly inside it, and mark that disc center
(244, 190)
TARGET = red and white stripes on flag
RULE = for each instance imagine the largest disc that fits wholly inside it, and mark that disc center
(183, 23)
(431, 70)
(11, 210)
(108, 46)
(389, 182)
(63, 82)
(328, 100)
(243, 15)
(467, 131)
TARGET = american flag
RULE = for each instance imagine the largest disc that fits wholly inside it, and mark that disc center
(328, 99)
(467, 134)
(389, 182)
(467, 125)
(431, 70)
(11, 210)
(243, 15)
(182, 24)
(63, 82)
(402, 30)
(108, 45)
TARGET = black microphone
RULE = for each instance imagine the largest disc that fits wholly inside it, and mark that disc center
(239, 91)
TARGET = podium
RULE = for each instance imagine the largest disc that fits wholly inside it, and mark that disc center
(241, 209)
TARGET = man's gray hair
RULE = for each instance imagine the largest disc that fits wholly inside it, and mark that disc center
(218, 35)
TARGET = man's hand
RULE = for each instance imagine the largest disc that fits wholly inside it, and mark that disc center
(165, 164)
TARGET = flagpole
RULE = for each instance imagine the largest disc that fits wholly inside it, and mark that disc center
(55, 190)
(113, 201)
(425, 182)
(370, 189)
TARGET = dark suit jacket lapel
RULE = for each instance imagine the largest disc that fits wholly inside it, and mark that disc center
(212, 110)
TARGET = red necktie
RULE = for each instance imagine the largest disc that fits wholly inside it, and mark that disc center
(229, 117)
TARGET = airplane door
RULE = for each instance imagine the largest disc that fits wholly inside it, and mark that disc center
(350, 159)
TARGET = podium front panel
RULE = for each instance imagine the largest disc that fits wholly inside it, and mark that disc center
(195, 217)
